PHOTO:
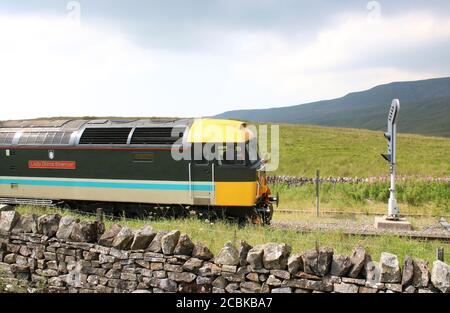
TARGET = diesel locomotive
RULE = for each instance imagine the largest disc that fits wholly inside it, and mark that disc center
(131, 165)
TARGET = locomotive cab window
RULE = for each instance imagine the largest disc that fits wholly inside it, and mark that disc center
(231, 154)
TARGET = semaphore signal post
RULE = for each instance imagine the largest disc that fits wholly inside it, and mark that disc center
(392, 220)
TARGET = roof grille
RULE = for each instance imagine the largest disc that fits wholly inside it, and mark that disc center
(105, 136)
(156, 135)
(45, 138)
(6, 138)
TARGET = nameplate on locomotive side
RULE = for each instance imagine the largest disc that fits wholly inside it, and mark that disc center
(59, 165)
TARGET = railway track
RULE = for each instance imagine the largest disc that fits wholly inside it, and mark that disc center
(337, 212)
(412, 235)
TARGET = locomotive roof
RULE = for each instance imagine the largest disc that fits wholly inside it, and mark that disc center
(74, 125)
(123, 132)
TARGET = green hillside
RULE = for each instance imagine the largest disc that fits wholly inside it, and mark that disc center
(356, 152)
(425, 109)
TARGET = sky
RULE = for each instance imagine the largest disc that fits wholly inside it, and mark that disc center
(192, 58)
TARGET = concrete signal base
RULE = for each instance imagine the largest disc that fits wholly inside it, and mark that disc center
(382, 222)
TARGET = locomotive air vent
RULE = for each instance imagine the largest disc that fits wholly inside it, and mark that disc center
(156, 135)
(105, 136)
(45, 138)
(6, 138)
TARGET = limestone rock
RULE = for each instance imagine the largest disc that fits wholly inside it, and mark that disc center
(421, 273)
(155, 245)
(408, 272)
(202, 252)
(282, 290)
(8, 219)
(390, 268)
(229, 268)
(193, 264)
(26, 224)
(440, 276)
(340, 265)
(201, 280)
(84, 231)
(324, 260)
(164, 284)
(317, 262)
(142, 238)
(108, 237)
(358, 259)
(310, 261)
(373, 273)
(123, 239)
(252, 277)
(243, 250)
(345, 288)
(231, 288)
(424, 290)
(250, 287)
(295, 263)
(209, 269)
(10, 258)
(65, 227)
(255, 257)
(275, 255)
(182, 277)
(48, 224)
(273, 281)
(281, 274)
(394, 287)
(228, 255)
(367, 290)
(141, 291)
(219, 282)
(169, 242)
(308, 284)
(184, 245)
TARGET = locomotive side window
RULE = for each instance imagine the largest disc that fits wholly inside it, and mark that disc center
(143, 157)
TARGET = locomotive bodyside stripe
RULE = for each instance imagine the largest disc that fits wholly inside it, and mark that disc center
(108, 184)
(160, 197)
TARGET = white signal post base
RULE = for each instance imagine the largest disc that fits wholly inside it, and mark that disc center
(400, 224)
(393, 209)
(392, 221)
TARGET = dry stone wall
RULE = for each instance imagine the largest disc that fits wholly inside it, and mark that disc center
(51, 253)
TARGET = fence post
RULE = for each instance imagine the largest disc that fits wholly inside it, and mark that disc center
(317, 192)
(440, 254)
(100, 215)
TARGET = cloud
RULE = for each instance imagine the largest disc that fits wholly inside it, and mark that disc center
(354, 53)
(51, 67)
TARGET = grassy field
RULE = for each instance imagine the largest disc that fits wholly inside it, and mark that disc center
(341, 152)
(215, 235)
(356, 153)
(414, 197)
